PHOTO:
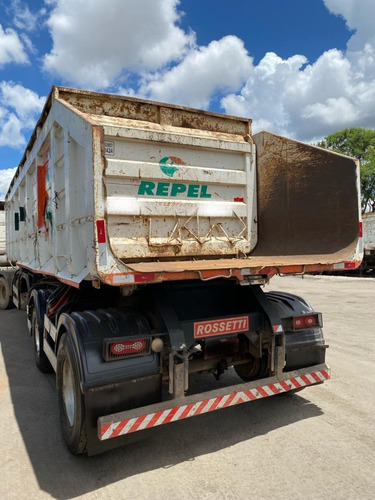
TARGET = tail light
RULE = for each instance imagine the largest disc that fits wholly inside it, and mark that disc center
(121, 348)
(303, 322)
(306, 321)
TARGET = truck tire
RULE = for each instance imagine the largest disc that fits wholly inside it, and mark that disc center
(5, 298)
(41, 360)
(70, 398)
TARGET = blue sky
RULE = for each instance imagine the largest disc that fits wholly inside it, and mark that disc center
(301, 68)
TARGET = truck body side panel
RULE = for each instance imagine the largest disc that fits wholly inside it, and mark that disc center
(369, 240)
(50, 207)
(3, 259)
(369, 231)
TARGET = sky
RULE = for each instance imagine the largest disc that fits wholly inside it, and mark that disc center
(299, 68)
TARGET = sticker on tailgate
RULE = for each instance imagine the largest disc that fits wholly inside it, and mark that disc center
(168, 165)
(221, 327)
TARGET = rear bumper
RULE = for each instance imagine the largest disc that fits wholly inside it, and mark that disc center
(130, 421)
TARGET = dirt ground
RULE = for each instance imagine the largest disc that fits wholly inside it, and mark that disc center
(319, 443)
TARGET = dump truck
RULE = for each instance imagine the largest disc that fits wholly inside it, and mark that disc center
(368, 263)
(142, 235)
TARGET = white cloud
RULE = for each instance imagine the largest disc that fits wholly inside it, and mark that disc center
(93, 42)
(309, 101)
(25, 102)
(263, 96)
(26, 107)
(23, 19)
(5, 179)
(11, 47)
(359, 16)
(222, 65)
(11, 131)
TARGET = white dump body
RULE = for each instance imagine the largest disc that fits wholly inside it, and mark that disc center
(119, 190)
(369, 231)
(108, 181)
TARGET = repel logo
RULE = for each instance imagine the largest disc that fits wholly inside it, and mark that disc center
(168, 165)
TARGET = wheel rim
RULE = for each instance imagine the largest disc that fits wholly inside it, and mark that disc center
(68, 391)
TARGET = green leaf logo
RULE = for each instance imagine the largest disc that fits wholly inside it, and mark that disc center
(168, 165)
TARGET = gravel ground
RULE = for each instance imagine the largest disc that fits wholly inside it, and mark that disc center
(316, 444)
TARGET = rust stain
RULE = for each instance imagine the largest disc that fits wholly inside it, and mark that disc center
(177, 160)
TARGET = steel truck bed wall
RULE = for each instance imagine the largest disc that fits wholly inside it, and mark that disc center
(369, 231)
(369, 241)
(3, 259)
(127, 191)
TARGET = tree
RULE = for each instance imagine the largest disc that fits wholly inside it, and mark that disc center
(358, 143)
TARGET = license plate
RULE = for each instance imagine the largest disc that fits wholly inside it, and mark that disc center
(225, 326)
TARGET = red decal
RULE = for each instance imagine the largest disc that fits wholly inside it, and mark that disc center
(144, 277)
(100, 228)
(42, 193)
(239, 200)
(221, 327)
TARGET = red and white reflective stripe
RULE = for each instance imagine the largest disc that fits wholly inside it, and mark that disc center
(207, 405)
(126, 278)
(277, 328)
(345, 265)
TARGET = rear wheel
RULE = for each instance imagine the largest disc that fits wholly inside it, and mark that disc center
(5, 298)
(41, 360)
(70, 398)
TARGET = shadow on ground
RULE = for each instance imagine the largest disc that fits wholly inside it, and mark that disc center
(64, 476)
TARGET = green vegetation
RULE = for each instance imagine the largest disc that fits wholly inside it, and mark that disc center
(358, 143)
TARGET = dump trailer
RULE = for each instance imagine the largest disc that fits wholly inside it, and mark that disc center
(142, 234)
(368, 263)
(6, 272)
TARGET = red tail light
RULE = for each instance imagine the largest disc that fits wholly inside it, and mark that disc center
(129, 347)
(306, 321)
(125, 348)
